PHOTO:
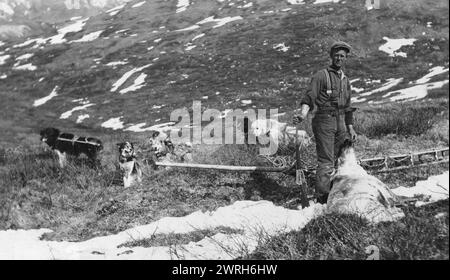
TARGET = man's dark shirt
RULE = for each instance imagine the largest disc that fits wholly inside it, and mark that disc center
(318, 98)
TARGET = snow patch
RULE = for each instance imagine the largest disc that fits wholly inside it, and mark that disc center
(182, 5)
(28, 66)
(326, 1)
(198, 36)
(115, 63)
(392, 46)
(114, 11)
(414, 92)
(433, 72)
(190, 47)
(248, 5)
(81, 118)
(89, 37)
(193, 27)
(113, 123)
(43, 100)
(4, 58)
(69, 113)
(389, 84)
(138, 83)
(127, 75)
(24, 56)
(137, 5)
(295, 2)
(220, 21)
(435, 188)
(6, 9)
(281, 47)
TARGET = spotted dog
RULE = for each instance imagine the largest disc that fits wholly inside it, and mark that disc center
(354, 191)
(132, 172)
(164, 150)
(160, 144)
(69, 144)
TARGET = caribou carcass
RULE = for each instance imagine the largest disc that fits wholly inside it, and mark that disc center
(354, 191)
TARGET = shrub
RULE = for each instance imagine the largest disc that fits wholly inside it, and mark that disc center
(400, 119)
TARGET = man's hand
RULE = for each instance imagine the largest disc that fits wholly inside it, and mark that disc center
(302, 116)
(352, 133)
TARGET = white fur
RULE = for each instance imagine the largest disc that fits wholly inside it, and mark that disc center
(279, 131)
(180, 151)
(158, 143)
(130, 178)
(354, 191)
(62, 158)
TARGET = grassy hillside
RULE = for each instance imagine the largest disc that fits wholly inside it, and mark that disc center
(238, 59)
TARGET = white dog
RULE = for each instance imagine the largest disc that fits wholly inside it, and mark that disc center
(279, 131)
(354, 191)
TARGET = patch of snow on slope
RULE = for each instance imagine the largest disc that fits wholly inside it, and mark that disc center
(392, 46)
(89, 37)
(6, 9)
(198, 37)
(296, 2)
(193, 27)
(414, 92)
(435, 188)
(138, 83)
(75, 27)
(248, 5)
(325, 1)
(164, 127)
(389, 84)
(137, 5)
(127, 75)
(114, 123)
(4, 58)
(45, 99)
(433, 72)
(81, 118)
(220, 21)
(114, 11)
(67, 114)
(28, 66)
(281, 47)
(24, 56)
(116, 63)
(182, 5)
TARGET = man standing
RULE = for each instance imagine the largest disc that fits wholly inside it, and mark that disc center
(329, 97)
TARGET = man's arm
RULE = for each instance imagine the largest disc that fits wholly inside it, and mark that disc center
(309, 100)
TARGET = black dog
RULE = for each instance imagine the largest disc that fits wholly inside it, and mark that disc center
(68, 143)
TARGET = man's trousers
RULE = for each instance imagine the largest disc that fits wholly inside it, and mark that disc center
(330, 133)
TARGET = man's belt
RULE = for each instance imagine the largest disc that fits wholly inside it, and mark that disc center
(332, 111)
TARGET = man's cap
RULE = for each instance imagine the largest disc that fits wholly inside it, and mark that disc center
(340, 45)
